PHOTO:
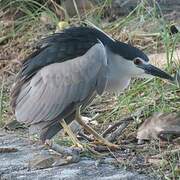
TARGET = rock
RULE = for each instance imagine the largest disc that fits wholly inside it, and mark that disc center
(17, 165)
(41, 162)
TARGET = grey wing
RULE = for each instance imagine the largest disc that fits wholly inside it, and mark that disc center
(61, 85)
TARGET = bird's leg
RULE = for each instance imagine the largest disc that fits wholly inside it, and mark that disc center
(69, 154)
(73, 137)
(92, 131)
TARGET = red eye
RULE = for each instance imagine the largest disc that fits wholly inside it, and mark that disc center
(137, 61)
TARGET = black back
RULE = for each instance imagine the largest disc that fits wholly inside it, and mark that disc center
(57, 48)
(71, 43)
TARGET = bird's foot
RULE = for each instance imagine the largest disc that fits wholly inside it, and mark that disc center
(97, 136)
(78, 146)
(90, 130)
(55, 156)
(70, 154)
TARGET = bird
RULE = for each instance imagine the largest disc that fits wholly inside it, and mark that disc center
(67, 71)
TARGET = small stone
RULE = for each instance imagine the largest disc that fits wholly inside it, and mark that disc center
(60, 162)
(69, 158)
(42, 162)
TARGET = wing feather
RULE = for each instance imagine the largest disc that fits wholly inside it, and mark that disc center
(57, 86)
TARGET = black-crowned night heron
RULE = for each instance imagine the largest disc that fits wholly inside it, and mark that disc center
(67, 71)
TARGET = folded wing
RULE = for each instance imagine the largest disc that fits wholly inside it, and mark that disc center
(56, 89)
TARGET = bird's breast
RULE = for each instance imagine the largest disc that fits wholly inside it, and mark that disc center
(117, 85)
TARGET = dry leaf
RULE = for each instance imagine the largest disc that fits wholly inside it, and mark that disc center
(159, 126)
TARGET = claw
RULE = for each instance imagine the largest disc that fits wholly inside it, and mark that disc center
(78, 145)
(74, 153)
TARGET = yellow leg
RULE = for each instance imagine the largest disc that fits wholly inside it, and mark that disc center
(73, 137)
(93, 132)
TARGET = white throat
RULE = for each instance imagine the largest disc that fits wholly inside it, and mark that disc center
(118, 76)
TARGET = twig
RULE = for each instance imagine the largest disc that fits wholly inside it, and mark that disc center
(15, 61)
(100, 148)
(118, 131)
(118, 123)
(165, 153)
(8, 149)
(103, 110)
(94, 117)
(114, 155)
(147, 35)
(77, 11)
(61, 10)
(84, 136)
(93, 151)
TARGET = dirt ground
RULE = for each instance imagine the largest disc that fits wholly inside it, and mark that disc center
(18, 164)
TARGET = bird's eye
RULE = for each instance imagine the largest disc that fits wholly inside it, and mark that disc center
(137, 61)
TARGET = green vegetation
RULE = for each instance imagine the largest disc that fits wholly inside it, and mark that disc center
(143, 27)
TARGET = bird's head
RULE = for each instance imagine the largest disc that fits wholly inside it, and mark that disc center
(131, 61)
(142, 68)
(135, 63)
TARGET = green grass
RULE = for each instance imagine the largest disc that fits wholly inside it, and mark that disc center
(149, 96)
(153, 95)
(4, 102)
(1, 101)
(31, 11)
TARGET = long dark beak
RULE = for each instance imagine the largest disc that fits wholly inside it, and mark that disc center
(150, 69)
